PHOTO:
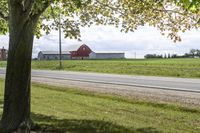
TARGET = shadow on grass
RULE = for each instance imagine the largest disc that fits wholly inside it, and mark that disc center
(47, 124)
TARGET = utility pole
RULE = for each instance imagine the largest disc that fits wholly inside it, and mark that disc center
(60, 33)
(60, 42)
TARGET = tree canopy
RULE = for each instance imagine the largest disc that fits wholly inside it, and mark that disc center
(169, 16)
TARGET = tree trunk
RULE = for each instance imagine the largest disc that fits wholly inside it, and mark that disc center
(16, 113)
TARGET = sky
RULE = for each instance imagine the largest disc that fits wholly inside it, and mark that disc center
(146, 40)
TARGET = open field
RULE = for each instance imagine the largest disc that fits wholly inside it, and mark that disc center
(187, 68)
(59, 110)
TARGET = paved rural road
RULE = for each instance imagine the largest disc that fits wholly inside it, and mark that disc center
(177, 84)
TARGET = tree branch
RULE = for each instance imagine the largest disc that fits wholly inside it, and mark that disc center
(177, 12)
(46, 5)
(113, 8)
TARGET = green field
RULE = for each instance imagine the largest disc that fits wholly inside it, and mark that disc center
(187, 68)
(62, 110)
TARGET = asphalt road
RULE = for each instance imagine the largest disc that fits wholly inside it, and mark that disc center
(165, 83)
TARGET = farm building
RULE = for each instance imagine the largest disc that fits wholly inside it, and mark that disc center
(107, 55)
(53, 55)
(79, 52)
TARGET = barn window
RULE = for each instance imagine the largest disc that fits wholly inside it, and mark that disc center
(84, 48)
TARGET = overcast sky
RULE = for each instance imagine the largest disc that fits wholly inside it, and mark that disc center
(106, 38)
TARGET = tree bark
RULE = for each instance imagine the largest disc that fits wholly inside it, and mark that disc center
(16, 112)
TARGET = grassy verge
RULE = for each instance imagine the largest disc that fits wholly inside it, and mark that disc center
(60, 110)
(187, 68)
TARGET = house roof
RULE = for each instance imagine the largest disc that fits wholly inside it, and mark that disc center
(74, 47)
(54, 52)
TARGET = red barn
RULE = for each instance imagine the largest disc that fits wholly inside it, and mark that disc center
(79, 51)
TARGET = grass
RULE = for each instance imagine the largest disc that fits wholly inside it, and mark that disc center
(186, 68)
(59, 110)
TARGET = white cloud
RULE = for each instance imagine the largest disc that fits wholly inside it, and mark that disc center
(106, 38)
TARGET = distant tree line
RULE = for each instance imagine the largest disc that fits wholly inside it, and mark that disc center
(148, 56)
(193, 53)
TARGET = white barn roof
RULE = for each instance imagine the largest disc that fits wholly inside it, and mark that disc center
(54, 52)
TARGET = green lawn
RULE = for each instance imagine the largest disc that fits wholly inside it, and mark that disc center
(59, 110)
(187, 68)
